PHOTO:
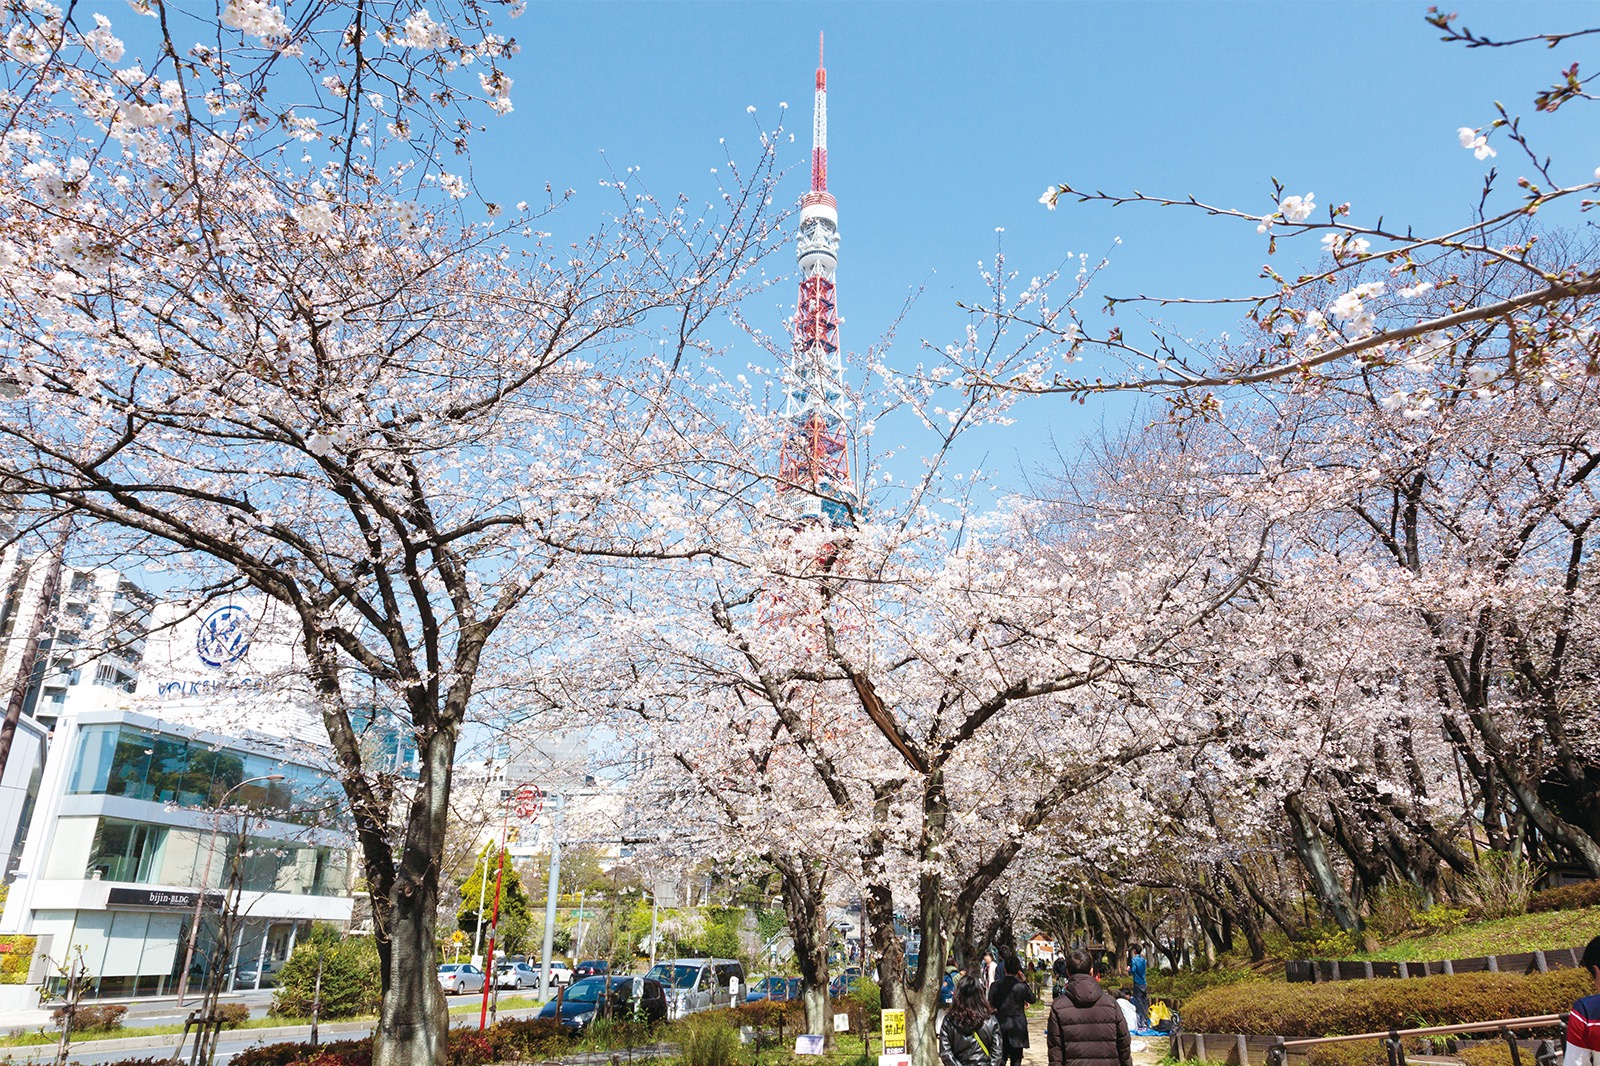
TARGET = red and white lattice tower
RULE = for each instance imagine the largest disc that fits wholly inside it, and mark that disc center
(814, 461)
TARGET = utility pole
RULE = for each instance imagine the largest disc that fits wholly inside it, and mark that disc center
(652, 927)
(477, 932)
(552, 891)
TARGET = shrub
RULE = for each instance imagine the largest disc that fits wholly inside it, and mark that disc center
(863, 1004)
(1331, 944)
(165, 1060)
(91, 1016)
(467, 1048)
(1565, 898)
(1490, 1053)
(351, 981)
(1353, 1053)
(770, 1014)
(280, 1054)
(526, 1039)
(1500, 885)
(1441, 919)
(1342, 1007)
(232, 1015)
(710, 1040)
(16, 956)
(1392, 910)
(513, 1040)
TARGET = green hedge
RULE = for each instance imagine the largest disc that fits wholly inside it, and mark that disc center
(16, 956)
(1342, 1007)
(1566, 898)
(519, 1040)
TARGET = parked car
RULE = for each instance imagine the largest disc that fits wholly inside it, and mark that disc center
(778, 989)
(458, 977)
(516, 975)
(697, 984)
(591, 968)
(630, 996)
(245, 975)
(560, 972)
(844, 984)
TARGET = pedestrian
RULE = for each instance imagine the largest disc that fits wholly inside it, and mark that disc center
(1583, 1023)
(989, 971)
(1010, 997)
(970, 1033)
(1141, 992)
(1086, 1027)
(1058, 973)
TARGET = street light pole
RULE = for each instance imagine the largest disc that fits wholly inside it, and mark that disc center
(205, 877)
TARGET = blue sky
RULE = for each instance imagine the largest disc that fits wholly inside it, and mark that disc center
(947, 120)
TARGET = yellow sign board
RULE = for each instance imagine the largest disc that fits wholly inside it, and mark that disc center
(894, 1032)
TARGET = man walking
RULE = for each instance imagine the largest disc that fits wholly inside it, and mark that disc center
(1010, 997)
(1141, 993)
(1086, 1027)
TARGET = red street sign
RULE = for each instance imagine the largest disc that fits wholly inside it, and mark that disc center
(529, 801)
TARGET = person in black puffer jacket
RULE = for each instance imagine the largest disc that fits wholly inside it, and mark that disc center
(1010, 997)
(970, 1033)
(1086, 1027)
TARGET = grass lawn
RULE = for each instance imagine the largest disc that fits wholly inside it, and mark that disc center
(506, 1003)
(1506, 936)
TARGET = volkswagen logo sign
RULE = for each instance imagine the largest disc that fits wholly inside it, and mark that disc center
(224, 636)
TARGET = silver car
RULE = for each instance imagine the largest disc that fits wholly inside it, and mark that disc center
(517, 975)
(458, 977)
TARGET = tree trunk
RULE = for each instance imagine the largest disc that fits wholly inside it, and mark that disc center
(887, 946)
(1313, 852)
(805, 905)
(414, 1018)
(922, 996)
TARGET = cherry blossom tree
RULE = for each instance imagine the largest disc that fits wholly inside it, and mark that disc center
(923, 689)
(251, 332)
(1326, 322)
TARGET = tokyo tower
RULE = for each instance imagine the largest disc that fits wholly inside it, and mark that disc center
(814, 462)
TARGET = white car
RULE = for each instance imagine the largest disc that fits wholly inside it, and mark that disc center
(458, 977)
(518, 975)
(560, 972)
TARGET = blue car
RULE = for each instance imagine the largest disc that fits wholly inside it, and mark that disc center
(778, 989)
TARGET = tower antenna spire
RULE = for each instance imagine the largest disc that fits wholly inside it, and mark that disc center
(814, 463)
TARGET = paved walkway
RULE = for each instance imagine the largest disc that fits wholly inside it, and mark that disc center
(1147, 1050)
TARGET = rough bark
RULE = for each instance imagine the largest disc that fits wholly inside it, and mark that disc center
(805, 905)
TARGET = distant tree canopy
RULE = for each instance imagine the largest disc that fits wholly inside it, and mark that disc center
(514, 908)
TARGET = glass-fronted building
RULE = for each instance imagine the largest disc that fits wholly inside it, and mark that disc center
(137, 818)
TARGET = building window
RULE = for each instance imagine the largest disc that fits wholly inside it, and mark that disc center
(143, 853)
(119, 760)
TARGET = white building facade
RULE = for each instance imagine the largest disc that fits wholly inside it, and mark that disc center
(209, 784)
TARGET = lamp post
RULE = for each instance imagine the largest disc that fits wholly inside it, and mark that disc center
(200, 894)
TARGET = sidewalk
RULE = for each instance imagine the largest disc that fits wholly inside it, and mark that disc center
(1147, 1050)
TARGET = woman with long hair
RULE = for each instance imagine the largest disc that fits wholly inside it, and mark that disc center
(970, 1033)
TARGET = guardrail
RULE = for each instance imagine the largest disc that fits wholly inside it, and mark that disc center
(1545, 1054)
(1274, 1050)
